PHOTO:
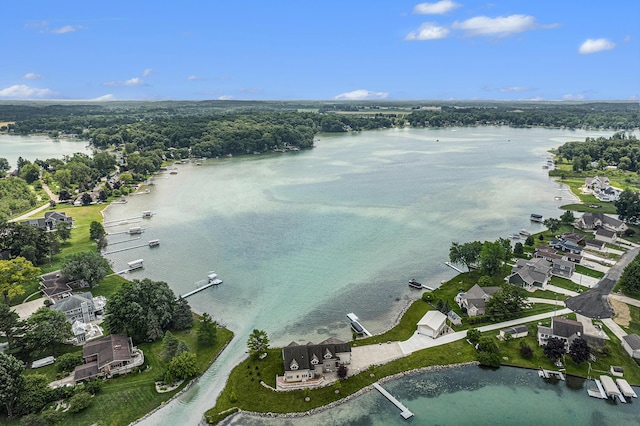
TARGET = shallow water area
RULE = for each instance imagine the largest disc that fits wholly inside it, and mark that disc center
(303, 238)
(38, 147)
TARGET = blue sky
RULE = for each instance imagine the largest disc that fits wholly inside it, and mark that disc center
(320, 50)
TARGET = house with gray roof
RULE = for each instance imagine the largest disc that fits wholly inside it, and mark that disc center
(49, 221)
(530, 274)
(306, 362)
(474, 301)
(515, 332)
(56, 286)
(606, 235)
(561, 328)
(600, 220)
(79, 306)
(631, 344)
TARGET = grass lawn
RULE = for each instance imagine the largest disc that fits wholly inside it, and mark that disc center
(589, 272)
(244, 391)
(567, 284)
(634, 325)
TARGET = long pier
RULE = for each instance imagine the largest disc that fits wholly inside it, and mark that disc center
(126, 248)
(454, 267)
(199, 289)
(405, 413)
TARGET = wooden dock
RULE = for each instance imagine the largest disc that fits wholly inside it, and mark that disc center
(454, 267)
(405, 413)
(597, 393)
(355, 320)
(550, 374)
(199, 289)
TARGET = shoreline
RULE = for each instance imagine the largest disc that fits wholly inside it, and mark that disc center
(348, 398)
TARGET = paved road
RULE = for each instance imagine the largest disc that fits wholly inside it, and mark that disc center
(31, 213)
(615, 328)
(593, 303)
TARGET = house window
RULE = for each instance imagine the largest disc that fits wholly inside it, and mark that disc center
(314, 361)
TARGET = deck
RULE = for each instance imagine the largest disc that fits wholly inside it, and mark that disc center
(405, 413)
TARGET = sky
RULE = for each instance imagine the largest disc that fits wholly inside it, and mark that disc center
(320, 50)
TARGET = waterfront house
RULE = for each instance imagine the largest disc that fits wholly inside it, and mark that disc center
(83, 332)
(49, 221)
(561, 328)
(474, 301)
(574, 238)
(310, 361)
(432, 324)
(530, 274)
(516, 332)
(631, 344)
(606, 236)
(601, 188)
(566, 246)
(547, 253)
(108, 356)
(597, 219)
(56, 286)
(79, 306)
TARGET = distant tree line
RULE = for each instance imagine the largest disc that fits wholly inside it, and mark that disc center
(621, 150)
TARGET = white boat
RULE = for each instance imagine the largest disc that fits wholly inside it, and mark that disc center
(213, 279)
(524, 233)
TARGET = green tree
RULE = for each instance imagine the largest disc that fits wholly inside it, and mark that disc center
(518, 248)
(10, 324)
(182, 315)
(14, 273)
(34, 395)
(30, 173)
(529, 241)
(628, 206)
(79, 402)
(258, 342)
(630, 279)
(183, 366)
(491, 257)
(104, 162)
(96, 230)
(525, 350)
(68, 361)
(505, 243)
(46, 329)
(552, 224)
(579, 350)
(466, 254)
(11, 381)
(473, 335)
(88, 266)
(567, 217)
(554, 349)
(4, 166)
(63, 177)
(169, 345)
(505, 304)
(182, 347)
(488, 352)
(63, 230)
(207, 330)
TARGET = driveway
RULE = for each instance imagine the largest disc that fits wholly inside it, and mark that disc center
(364, 356)
(25, 310)
(593, 303)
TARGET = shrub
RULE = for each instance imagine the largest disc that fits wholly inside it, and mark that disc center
(79, 402)
(526, 351)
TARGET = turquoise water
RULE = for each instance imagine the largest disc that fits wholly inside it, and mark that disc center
(301, 239)
(473, 396)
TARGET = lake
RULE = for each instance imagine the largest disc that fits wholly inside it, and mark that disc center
(303, 238)
(38, 147)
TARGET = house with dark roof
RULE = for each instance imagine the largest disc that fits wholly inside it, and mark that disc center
(566, 246)
(574, 238)
(474, 301)
(631, 344)
(56, 286)
(562, 268)
(49, 221)
(600, 220)
(310, 361)
(561, 328)
(606, 235)
(530, 274)
(79, 306)
(601, 187)
(108, 356)
(595, 244)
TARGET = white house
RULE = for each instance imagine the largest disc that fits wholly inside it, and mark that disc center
(432, 324)
(631, 344)
(605, 235)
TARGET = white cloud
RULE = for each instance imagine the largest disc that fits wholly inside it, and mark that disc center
(225, 98)
(500, 26)
(595, 45)
(135, 81)
(66, 29)
(439, 8)
(516, 89)
(428, 31)
(572, 97)
(31, 76)
(22, 91)
(195, 78)
(36, 24)
(361, 94)
(104, 98)
(147, 72)
(627, 38)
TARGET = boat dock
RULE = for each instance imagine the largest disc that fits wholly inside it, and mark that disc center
(626, 388)
(550, 374)
(597, 393)
(152, 243)
(355, 322)
(454, 267)
(610, 388)
(405, 413)
(199, 289)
